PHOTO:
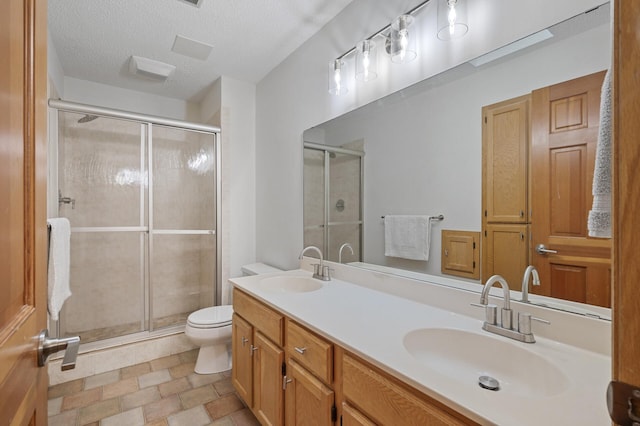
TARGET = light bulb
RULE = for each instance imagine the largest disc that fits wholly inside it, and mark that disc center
(365, 64)
(452, 17)
(404, 42)
(337, 78)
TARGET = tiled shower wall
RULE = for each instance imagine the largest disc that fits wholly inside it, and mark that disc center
(101, 166)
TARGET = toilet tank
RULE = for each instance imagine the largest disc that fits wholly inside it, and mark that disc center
(258, 268)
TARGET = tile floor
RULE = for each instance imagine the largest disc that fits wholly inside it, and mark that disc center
(162, 392)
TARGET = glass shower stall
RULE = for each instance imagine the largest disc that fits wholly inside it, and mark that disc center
(142, 196)
(333, 179)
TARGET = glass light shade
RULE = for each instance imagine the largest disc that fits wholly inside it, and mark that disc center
(337, 77)
(401, 42)
(452, 19)
(366, 61)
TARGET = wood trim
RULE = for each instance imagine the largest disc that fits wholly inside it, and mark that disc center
(626, 192)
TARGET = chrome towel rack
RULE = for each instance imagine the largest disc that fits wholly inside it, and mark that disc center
(439, 217)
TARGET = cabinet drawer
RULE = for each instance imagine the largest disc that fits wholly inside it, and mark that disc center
(386, 402)
(268, 321)
(313, 352)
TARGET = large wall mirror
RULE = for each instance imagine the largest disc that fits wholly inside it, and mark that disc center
(419, 151)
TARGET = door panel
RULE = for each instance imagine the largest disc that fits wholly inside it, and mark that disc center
(242, 372)
(565, 120)
(268, 401)
(23, 230)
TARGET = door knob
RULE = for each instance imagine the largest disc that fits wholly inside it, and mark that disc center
(48, 346)
(541, 249)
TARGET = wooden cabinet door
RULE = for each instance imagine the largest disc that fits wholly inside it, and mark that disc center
(353, 417)
(565, 121)
(268, 401)
(506, 253)
(23, 228)
(505, 144)
(460, 253)
(308, 400)
(242, 360)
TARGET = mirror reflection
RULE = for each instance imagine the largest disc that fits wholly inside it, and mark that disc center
(427, 151)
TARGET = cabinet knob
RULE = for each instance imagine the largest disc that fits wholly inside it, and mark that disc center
(244, 340)
(521, 213)
(253, 349)
(301, 351)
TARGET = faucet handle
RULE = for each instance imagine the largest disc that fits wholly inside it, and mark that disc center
(316, 269)
(326, 272)
(490, 312)
(524, 322)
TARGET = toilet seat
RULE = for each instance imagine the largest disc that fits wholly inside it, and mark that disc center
(213, 317)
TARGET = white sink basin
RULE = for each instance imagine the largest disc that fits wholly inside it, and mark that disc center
(464, 356)
(290, 284)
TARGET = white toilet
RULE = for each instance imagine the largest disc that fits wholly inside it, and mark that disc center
(210, 328)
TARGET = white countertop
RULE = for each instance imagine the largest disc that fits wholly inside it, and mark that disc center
(373, 324)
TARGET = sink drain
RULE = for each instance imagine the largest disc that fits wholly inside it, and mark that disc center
(488, 382)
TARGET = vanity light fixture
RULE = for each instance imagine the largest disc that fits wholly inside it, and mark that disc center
(366, 61)
(401, 43)
(337, 71)
(452, 19)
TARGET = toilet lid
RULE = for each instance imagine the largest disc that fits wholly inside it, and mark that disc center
(215, 316)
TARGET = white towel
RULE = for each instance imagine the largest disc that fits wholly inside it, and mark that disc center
(407, 237)
(59, 261)
(599, 222)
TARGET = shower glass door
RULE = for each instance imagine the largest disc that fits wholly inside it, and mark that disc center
(183, 221)
(141, 199)
(102, 187)
(333, 201)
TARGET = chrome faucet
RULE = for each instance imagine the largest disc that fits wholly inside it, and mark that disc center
(320, 271)
(506, 314)
(345, 245)
(531, 270)
(523, 331)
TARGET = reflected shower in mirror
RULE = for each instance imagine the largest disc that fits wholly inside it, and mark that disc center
(423, 145)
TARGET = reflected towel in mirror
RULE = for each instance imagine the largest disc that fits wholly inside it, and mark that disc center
(407, 236)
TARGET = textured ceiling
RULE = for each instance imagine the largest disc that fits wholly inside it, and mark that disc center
(95, 38)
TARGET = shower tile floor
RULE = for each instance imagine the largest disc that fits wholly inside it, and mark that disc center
(162, 392)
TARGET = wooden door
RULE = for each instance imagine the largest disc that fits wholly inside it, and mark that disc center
(506, 253)
(505, 142)
(23, 229)
(242, 361)
(309, 401)
(268, 401)
(565, 119)
(626, 195)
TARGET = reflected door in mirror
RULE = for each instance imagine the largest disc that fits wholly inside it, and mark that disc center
(565, 121)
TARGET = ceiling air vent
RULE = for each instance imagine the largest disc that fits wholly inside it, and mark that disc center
(149, 68)
(195, 3)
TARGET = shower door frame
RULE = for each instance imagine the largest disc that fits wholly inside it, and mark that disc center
(327, 150)
(147, 123)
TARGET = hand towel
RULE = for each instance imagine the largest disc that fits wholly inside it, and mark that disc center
(407, 236)
(599, 221)
(59, 261)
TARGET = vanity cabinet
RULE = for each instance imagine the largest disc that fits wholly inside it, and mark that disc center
(290, 375)
(383, 399)
(258, 358)
(505, 189)
(309, 396)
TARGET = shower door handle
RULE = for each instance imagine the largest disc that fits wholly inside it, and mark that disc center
(48, 346)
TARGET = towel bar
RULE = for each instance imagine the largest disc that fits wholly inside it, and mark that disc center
(439, 217)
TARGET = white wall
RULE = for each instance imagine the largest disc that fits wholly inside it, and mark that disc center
(423, 151)
(92, 93)
(293, 97)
